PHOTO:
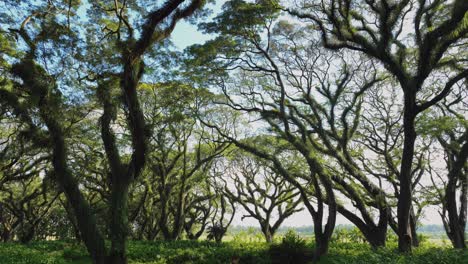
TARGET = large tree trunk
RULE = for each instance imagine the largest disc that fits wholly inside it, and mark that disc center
(267, 233)
(119, 223)
(323, 234)
(375, 234)
(322, 244)
(321, 247)
(86, 221)
(94, 242)
(457, 217)
(405, 194)
(90, 234)
(377, 237)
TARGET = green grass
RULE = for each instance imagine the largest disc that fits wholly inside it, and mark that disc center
(52, 252)
(348, 253)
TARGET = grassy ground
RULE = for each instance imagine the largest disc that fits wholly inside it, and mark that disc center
(55, 252)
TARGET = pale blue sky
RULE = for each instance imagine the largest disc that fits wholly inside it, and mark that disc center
(186, 34)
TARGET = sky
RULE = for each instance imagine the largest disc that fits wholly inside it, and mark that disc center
(186, 34)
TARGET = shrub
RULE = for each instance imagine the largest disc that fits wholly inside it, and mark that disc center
(216, 232)
(344, 235)
(292, 249)
(422, 238)
(13, 253)
(74, 253)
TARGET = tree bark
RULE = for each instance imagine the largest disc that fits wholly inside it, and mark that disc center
(119, 223)
(86, 221)
(322, 244)
(375, 234)
(405, 194)
(267, 233)
(34, 76)
(414, 234)
(457, 217)
(377, 238)
(323, 234)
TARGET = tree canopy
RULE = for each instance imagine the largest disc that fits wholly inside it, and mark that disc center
(108, 132)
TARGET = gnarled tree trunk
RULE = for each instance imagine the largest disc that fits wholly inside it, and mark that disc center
(405, 195)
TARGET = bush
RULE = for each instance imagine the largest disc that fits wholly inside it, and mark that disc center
(392, 238)
(199, 252)
(344, 235)
(216, 232)
(292, 249)
(13, 253)
(353, 253)
(74, 253)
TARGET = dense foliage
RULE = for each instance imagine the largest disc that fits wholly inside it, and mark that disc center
(57, 252)
(115, 140)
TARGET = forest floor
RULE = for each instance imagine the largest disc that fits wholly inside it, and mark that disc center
(60, 252)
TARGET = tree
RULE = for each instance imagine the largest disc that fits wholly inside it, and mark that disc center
(447, 126)
(305, 98)
(116, 84)
(245, 30)
(199, 212)
(26, 191)
(30, 202)
(222, 216)
(181, 153)
(376, 30)
(379, 137)
(264, 195)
